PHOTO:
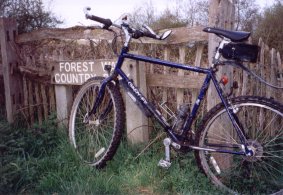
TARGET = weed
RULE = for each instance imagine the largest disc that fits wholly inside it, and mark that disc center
(40, 160)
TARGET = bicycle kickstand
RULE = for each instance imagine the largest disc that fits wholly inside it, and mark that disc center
(165, 163)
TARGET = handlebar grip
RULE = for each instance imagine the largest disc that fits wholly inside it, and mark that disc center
(107, 22)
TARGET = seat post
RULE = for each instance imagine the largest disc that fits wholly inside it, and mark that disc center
(217, 53)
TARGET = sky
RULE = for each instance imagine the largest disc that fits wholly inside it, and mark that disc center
(71, 11)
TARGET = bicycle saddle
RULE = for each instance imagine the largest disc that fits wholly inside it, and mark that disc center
(235, 36)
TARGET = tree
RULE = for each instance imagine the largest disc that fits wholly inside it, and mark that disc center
(194, 12)
(29, 14)
(180, 13)
(247, 13)
(168, 20)
(270, 26)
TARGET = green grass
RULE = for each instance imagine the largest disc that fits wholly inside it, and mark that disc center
(41, 161)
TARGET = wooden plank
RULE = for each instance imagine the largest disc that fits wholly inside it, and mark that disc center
(31, 101)
(137, 122)
(44, 101)
(36, 73)
(220, 15)
(64, 97)
(26, 99)
(261, 88)
(38, 104)
(64, 101)
(12, 82)
(280, 71)
(183, 82)
(165, 72)
(52, 102)
(273, 77)
(180, 91)
(198, 59)
(179, 35)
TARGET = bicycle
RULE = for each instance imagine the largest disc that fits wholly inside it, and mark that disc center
(239, 144)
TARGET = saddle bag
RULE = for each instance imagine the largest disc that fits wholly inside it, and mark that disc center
(240, 52)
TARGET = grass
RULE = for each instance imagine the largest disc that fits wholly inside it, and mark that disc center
(41, 161)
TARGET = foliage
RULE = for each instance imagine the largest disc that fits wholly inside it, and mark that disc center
(21, 149)
(41, 161)
(168, 20)
(270, 26)
(30, 14)
(182, 13)
(246, 15)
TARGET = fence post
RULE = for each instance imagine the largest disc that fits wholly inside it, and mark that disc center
(63, 94)
(280, 77)
(221, 14)
(10, 62)
(137, 122)
(64, 98)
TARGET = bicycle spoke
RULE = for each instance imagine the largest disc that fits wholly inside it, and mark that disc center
(263, 127)
(265, 137)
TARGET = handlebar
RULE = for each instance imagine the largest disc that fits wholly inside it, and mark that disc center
(107, 22)
(135, 33)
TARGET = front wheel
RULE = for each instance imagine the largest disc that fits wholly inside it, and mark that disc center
(96, 137)
(262, 122)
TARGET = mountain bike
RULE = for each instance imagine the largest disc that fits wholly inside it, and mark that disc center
(239, 143)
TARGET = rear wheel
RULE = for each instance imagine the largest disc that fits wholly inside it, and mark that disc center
(97, 137)
(262, 121)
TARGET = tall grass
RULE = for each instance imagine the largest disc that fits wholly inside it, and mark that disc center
(41, 161)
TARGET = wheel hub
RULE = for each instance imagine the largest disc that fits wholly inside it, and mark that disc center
(256, 149)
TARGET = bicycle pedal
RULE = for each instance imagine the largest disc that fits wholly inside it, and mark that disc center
(164, 164)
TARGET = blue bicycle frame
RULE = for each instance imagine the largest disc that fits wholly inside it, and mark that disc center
(182, 139)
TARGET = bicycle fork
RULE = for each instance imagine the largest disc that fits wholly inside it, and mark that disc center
(98, 99)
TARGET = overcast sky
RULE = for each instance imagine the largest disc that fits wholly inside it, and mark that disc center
(71, 11)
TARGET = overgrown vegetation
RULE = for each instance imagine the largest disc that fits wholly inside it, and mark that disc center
(270, 26)
(265, 22)
(30, 14)
(40, 160)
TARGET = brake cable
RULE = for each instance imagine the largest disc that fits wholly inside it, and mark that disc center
(249, 71)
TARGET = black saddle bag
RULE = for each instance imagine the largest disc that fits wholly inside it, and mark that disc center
(240, 52)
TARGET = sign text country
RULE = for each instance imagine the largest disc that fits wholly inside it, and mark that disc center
(67, 78)
(78, 72)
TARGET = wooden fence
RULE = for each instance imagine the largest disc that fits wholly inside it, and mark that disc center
(29, 61)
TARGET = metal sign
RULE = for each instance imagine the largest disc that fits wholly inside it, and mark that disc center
(78, 72)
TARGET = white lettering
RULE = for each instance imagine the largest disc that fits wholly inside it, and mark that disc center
(87, 76)
(73, 66)
(61, 65)
(67, 78)
(63, 78)
(81, 77)
(137, 92)
(75, 78)
(77, 72)
(91, 66)
(57, 78)
(67, 67)
(85, 67)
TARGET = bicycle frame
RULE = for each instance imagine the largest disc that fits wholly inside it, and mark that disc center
(138, 96)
